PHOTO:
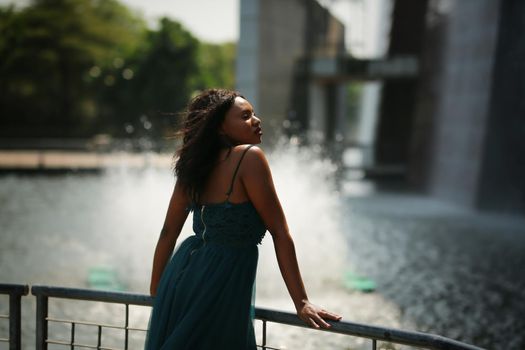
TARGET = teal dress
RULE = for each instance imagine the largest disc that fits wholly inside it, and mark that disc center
(205, 298)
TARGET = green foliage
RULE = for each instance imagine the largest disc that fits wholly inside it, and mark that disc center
(216, 65)
(47, 51)
(172, 55)
(80, 67)
(162, 71)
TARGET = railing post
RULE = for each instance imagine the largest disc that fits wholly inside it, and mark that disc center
(264, 335)
(99, 339)
(72, 335)
(15, 321)
(41, 322)
(15, 293)
(126, 331)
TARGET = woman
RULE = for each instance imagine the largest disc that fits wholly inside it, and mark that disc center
(204, 294)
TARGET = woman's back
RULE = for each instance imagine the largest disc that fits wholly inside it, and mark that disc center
(212, 273)
(221, 219)
(226, 176)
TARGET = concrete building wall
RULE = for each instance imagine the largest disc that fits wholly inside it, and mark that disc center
(247, 72)
(502, 183)
(323, 101)
(275, 35)
(271, 40)
(431, 67)
(282, 39)
(398, 95)
(461, 98)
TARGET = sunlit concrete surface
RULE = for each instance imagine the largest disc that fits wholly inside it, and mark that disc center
(81, 160)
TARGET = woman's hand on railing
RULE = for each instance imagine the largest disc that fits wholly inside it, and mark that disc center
(315, 316)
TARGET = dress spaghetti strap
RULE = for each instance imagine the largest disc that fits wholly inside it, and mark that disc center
(230, 190)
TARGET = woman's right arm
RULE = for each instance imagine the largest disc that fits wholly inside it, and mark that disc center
(175, 218)
(257, 180)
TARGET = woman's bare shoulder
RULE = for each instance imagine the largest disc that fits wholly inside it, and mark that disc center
(255, 160)
(242, 147)
(255, 153)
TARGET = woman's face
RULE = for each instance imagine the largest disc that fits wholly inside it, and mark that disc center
(240, 124)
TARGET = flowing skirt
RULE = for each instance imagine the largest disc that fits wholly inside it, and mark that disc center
(205, 298)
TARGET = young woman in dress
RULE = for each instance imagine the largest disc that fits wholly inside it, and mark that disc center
(204, 293)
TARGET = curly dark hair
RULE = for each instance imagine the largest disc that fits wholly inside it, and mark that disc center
(201, 141)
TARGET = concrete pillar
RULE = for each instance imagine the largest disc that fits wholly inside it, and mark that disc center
(501, 185)
(277, 38)
(247, 72)
(470, 136)
(399, 96)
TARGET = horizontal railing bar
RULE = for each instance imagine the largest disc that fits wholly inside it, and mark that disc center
(93, 295)
(137, 329)
(4, 339)
(14, 289)
(80, 345)
(58, 342)
(4, 316)
(86, 323)
(430, 341)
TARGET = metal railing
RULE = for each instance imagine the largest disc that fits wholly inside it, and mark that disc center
(15, 293)
(43, 293)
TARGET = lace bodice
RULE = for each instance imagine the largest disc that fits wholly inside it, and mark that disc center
(228, 223)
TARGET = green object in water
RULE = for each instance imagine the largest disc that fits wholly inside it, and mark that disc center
(103, 278)
(359, 283)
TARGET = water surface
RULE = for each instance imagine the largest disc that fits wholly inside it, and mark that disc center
(438, 268)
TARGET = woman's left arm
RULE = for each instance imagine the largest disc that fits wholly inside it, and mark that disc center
(175, 218)
(257, 180)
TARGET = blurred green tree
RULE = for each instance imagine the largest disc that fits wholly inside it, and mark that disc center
(49, 54)
(81, 67)
(156, 81)
(216, 65)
